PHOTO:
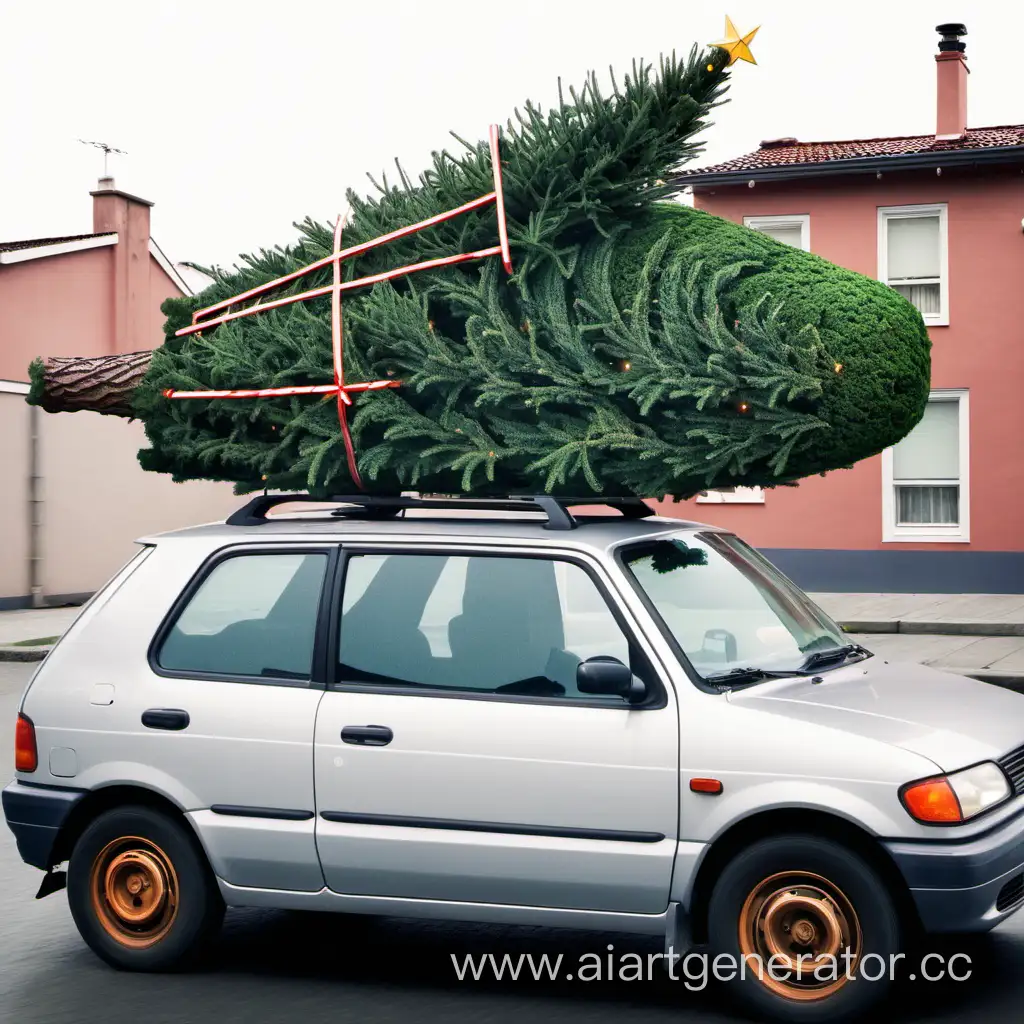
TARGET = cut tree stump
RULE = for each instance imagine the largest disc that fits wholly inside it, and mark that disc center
(102, 384)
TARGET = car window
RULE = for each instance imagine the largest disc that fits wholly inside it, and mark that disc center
(497, 625)
(253, 615)
(726, 605)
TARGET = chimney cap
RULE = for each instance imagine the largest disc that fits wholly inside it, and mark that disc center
(951, 31)
(107, 190)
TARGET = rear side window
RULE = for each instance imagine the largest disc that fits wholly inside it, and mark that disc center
(253, 615)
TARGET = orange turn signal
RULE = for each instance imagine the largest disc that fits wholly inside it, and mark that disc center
(932, 801)
(713, 786)
(26, 756)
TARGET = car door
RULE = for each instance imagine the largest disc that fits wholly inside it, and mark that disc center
(456, 759)
(217, 709)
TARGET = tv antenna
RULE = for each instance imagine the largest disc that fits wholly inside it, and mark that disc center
(107, 150)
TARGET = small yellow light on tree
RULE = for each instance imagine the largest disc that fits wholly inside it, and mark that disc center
(744, 407)
(430, 325)
(839, 367)
(711, 67)
(626, 366)
(490, 455)
(264, 477)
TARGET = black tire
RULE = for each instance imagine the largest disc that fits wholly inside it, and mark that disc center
(141, 891)
(759, 904)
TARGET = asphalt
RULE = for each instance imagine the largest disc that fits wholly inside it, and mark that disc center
(282, 967)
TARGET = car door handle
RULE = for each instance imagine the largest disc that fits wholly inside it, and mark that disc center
(367, 735)
(165, 718)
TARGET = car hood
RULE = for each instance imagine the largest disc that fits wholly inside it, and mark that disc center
(952, 720)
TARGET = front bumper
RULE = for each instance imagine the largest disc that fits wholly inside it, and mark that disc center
(966, 886)
(35, 815)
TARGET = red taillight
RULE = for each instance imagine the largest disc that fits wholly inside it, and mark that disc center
(26, 756)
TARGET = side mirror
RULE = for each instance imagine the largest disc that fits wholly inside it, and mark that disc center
(608, 677)
(725, 638)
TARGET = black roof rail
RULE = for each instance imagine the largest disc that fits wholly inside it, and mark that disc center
(371, 506)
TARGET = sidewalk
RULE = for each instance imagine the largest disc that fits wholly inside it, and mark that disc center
(32, 624)
(979, 635)
(962, 614)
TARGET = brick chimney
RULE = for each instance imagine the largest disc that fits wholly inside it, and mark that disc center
(951, 84)
(113, 210)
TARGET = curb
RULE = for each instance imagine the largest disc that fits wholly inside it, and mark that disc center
(934, 628)
(1008, 680)
(24, 653)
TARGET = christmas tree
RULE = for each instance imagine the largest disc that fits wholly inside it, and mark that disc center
(638, 347)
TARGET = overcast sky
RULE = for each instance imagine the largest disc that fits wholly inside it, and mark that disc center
(240, 118)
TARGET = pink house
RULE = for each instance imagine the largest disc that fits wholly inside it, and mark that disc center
(85, 295)
(938, 217)
(74, 497)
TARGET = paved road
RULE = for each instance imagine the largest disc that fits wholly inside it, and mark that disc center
(279, 967)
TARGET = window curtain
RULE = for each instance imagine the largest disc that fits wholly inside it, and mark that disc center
(932, 506)
(924, 296)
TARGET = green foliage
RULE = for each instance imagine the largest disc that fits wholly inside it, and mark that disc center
(874, 334)
(640, 347)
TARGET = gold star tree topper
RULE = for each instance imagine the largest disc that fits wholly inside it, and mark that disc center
(737, 46)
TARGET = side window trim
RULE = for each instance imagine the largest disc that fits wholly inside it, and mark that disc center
(658, 683)
(320, 663)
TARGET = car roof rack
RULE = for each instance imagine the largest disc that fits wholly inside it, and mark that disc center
(367, 506)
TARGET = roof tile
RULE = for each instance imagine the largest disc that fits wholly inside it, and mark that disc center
(787, 152)
(36, 243)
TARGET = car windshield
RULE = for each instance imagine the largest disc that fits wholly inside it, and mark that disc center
(729, 608)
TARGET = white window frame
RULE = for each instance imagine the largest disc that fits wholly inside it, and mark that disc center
(959, 534)
(887, 213)
(737, 496)
(791, 220)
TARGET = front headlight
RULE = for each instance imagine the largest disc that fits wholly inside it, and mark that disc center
(957, 797)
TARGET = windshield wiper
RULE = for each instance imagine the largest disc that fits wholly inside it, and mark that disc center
(745, 675)
(830, 654)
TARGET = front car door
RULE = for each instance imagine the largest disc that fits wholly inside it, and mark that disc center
(455, 758)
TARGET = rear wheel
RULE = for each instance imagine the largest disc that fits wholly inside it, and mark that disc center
(810, 927)
(141, 892)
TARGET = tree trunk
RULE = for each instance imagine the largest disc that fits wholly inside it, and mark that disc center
(101, 384)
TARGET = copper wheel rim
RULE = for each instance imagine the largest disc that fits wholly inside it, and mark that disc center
(802, 924)
(134, 892)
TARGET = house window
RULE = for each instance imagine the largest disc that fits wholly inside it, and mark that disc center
(925, 476)
(793, 229)
(732, 496)
(912, 257)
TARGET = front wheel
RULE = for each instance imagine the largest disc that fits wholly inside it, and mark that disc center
(140, 891)
(807, 924)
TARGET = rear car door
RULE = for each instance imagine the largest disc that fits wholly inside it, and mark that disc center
(209, 699)
(455, 758)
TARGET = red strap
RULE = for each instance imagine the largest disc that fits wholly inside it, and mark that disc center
(339, 364)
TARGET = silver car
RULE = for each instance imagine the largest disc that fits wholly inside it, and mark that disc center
(504, 711)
